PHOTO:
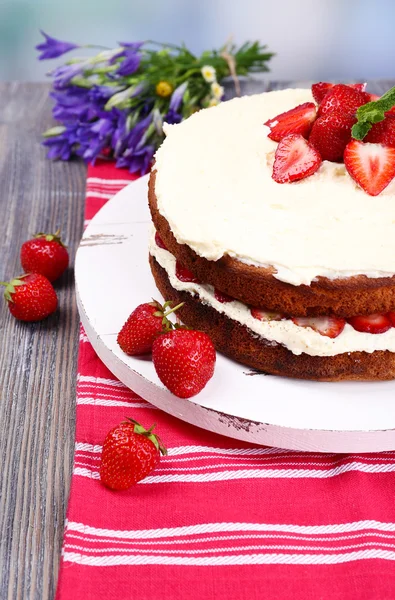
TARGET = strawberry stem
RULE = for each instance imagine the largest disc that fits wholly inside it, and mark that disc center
(168, 312)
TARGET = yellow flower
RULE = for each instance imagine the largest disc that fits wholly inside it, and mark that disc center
(209, 73)
(164, 89)
(217, 90)
(213, 102)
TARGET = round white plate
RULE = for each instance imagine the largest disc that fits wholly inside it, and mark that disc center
(113, 277)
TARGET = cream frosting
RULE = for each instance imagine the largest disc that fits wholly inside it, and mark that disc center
(295, 338)
(214, 187)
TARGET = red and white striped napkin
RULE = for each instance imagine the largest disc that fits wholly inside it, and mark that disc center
(218, 519)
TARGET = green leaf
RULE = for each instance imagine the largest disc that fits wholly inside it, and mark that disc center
(372, 112)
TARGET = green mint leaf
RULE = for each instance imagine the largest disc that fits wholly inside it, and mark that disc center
(372, 112)
(359, 130)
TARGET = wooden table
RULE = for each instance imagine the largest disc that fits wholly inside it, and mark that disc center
(38, 361)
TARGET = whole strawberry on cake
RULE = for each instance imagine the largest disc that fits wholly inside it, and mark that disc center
(274, 220)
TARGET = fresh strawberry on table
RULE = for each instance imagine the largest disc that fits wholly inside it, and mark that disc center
(376, 323)
(45, 254)
(184, 361)
(295, 159)
(328, 326)
(30, 297)
(331, 133)
(144, 324)
(130, 453)
(297, 120)
(372, 166)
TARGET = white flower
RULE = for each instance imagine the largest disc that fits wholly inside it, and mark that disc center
(217, 90)
(209, 73)
(213, 102)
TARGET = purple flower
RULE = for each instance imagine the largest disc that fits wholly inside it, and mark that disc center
(172, 117)
(53, 48)
(136, 134)
(130, 63)
(101, 93)
(62, 146)
(63, 75)
(177, 96)
(137, 161)
(131, 45)
(74, 103)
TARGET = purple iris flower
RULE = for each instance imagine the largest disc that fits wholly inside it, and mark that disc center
(53, 48)
(131, 45)
(96, 136)
(177, 96)
(136, 134)
(137, 161)
(101, 93)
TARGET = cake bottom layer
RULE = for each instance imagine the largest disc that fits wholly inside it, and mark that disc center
(241, 344)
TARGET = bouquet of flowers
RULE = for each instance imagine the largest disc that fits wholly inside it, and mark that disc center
(114, 104)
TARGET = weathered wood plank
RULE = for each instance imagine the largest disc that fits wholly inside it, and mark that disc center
(37, 361)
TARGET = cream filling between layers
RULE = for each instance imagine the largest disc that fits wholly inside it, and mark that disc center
(214, 186)
(296, 339)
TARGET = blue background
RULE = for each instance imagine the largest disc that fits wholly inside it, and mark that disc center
(313, 39)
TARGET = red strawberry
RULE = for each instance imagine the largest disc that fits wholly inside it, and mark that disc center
(45, 254)
(266, 315)
(144, 324)
(344, 98)
(222, 297)
(295, 159)
(297, 120)
(391, 316)
(383, 132)
(185, 274)
(328, 326)
(159, 242)
(372, 166)
(184, 361)
(319, 90)
(129, 454)
(371, 323)
(30, 297)
(331, 133)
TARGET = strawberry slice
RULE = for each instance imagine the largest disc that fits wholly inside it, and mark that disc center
(295, 159)
(372, 166)
(331, 133)
(222, 297)
(319, 90)
(184, 274)
(383, 132)
(391, 316)
(344, 98)
(159, 242)
(297, 120)
(266, 315)
(329, 326)
(375, 323)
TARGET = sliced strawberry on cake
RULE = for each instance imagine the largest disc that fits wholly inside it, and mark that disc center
(328, 326)
(295, 159)
(371, 323)
(297, 120)
(372, 166)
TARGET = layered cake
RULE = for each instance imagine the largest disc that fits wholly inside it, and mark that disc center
(268, 232)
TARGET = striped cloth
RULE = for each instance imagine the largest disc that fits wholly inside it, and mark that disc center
(218, 519)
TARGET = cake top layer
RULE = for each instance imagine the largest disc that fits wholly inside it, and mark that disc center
(214, 186)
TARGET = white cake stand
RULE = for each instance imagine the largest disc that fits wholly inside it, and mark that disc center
(113, 277)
